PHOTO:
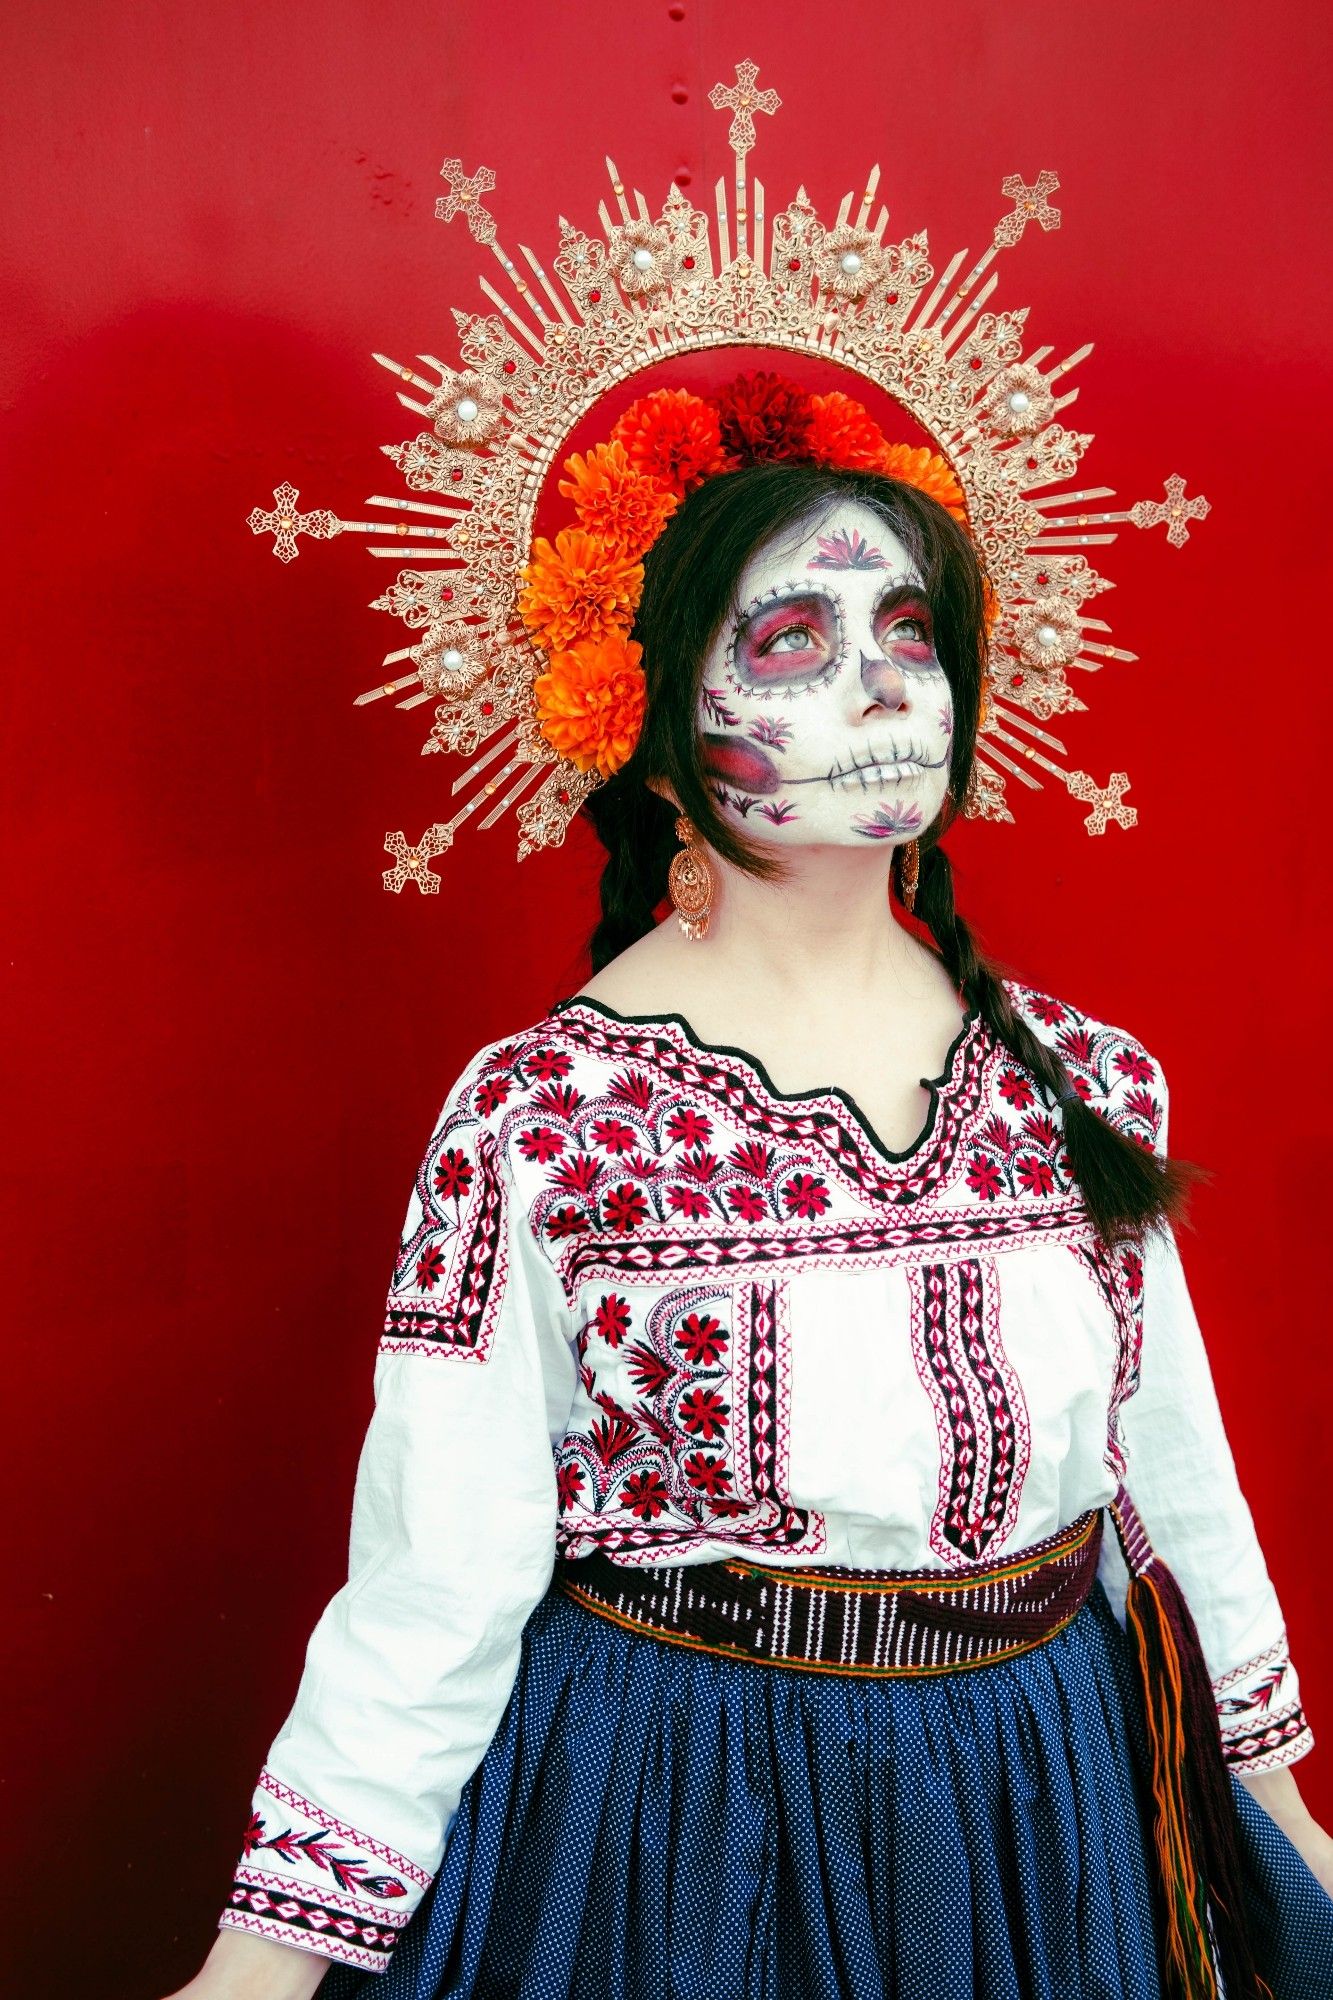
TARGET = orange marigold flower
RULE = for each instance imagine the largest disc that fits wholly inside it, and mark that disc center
(616, 504)
(673, 437)
(918, 466)
(590, 702)
(844, 432)
(578, 589)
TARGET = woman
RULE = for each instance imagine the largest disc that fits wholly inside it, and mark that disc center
(798, 1247)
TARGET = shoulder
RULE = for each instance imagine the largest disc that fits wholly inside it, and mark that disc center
(513, 1072)
(1110, 1067)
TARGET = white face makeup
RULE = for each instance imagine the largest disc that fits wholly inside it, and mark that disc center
(824, 713)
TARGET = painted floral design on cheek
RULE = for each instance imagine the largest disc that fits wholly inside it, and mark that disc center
(789, 641)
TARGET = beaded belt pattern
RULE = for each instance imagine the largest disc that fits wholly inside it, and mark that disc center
(859, 1621)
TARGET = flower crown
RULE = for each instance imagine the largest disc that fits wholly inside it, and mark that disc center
(522, 645)
(582, 590)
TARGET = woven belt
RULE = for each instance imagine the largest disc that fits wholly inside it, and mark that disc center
(857, 1621)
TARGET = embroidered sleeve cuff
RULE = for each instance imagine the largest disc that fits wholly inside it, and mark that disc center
(309, 1880)
(1259, 1710)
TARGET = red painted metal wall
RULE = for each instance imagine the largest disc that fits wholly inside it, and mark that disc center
(226, 1044)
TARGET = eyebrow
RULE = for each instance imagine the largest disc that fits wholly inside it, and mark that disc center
(898, 589)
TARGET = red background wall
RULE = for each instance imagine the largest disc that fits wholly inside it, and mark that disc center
(227, 1044)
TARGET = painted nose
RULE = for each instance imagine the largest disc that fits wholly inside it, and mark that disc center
(883, 682)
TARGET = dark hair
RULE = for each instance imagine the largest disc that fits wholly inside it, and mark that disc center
(689, 587)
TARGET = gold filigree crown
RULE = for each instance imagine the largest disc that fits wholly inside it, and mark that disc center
(614, 306)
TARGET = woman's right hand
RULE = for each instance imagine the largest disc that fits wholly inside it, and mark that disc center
(241, 1967)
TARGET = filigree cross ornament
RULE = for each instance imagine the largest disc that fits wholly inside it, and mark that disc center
(284, 523)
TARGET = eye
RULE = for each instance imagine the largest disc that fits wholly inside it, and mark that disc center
(789, 641)
(802, 636)
(917, 629)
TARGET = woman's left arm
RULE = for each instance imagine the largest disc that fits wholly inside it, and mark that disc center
(1183, 1479)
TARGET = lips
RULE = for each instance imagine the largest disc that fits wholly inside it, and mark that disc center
(876, 768)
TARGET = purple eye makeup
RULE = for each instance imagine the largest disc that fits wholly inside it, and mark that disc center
(790, 639)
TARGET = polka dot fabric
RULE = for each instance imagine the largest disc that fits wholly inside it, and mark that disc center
(655, 1823)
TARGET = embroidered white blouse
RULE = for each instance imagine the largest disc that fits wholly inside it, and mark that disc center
(647, 1303)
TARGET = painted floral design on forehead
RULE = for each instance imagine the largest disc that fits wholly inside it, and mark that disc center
(847, 550)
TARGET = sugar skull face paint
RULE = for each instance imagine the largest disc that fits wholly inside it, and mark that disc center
(824, 712)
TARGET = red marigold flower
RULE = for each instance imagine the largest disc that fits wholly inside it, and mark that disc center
(763, 418)
(672, 437)
(578, 588)
(983, 1177)
(844, 433)
(590, 702)
(615, 502)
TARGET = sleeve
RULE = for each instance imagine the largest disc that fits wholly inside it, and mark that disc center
(410, 1667)
(1182, 1476)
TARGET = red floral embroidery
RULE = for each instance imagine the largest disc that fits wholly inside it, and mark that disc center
(566, 1222)
(430, 1268)
(708, 1473)
(569, 1483)
(746, 1204)
(1036, 1176)
(645, 1495)
(612, 1136)
(805, 1195)
(547, 1065)
(702, 1338)
(453, 1174)
(624, 1208)
(983, 1177)
(491, 1094)
(703, 1413)
(689, 1128)
(557, 1100)
(579, 1175)
(631, 1087)
(612, 1318)
(1018, 1089)
(752, 1157)
(1135, 1067)
(541, 1144)
(692, 1203)
(1047, 1010)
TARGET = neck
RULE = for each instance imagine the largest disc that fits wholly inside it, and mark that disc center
(829, 927)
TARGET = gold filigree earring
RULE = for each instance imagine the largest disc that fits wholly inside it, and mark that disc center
(690, 883)
(909, 869)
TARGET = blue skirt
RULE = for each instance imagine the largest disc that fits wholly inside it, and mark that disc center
(651, 1822)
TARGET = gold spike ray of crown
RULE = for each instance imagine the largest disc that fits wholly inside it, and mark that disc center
(614, 305)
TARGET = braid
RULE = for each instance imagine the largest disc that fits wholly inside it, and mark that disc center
(1126, 1188)
(637, 828)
